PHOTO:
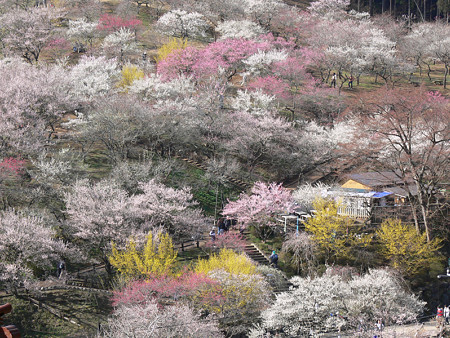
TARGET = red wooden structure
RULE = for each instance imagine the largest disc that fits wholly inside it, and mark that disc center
(9, 331)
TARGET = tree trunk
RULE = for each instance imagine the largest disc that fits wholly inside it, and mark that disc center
(445, 76)
(414, 212)
(424, 10)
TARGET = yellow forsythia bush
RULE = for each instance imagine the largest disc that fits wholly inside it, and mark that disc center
(156, 259)
(226, 260)
(405, 248)
(172, 45)
(130, 73)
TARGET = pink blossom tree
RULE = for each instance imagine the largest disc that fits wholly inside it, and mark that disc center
(406, 131)
(261, 207)
(111, 23)
(191, 288)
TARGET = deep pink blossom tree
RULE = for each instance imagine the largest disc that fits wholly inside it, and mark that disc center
(111, 23)
(195, 289)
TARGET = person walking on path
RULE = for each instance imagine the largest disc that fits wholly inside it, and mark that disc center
(274, 259)
(447, 314)
(212, 234)
(333, 80)
(350, 82)
(60, 269)
(439, 316)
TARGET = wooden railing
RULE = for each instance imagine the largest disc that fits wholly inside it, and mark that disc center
(354, 212)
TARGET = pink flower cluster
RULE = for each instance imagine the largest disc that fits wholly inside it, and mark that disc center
(11, 166)
(112, 23)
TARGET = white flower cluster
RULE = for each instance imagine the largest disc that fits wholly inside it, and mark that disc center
(258, 62)
(239, 29)
(93, 76)
(152, 87)
(255, 102)
(180, 23)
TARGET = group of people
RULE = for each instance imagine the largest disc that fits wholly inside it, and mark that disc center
(223, 225)
(443, 315)
(334, 79)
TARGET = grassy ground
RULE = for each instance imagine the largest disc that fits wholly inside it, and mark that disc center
(87, 309)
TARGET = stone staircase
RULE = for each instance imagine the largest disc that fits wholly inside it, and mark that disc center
(260, 258)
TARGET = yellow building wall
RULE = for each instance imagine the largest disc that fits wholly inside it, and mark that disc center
(355, 185)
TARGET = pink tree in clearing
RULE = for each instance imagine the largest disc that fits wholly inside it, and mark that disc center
(229, 240)
(271, 85)
(111, 23)
(194, 289)
(261, 207)
(223, 54)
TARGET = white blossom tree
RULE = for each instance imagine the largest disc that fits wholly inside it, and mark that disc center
(28, 246)
(180, 23)
(152, 320)
(104, 212)
(92, 77)
(28, 31)
(82, 31)
(333, 303)
(32, 101)
(233, 29)
(120, 43)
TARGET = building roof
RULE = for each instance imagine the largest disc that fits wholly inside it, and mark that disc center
(378, 179)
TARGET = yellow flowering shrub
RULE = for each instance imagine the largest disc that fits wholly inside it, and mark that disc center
(226, 260)
(156, 259)
(336, 236)
(130, 73)
(405, 249)
(172, 45)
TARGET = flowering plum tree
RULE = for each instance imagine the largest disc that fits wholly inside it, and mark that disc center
(151, 320)
(119, 43)
(261, 207)
(28, 31)
(93, 77)
(239, 29)
(329, 302)
(111, 23)
(103, 213)
(408, 131)
(28, 246)
(224, 54)
(32, 101)
(82, 31)
(182, 24)
(194, 289)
